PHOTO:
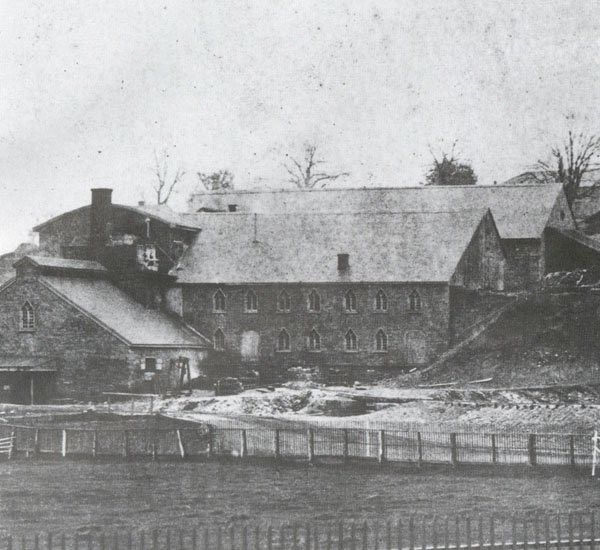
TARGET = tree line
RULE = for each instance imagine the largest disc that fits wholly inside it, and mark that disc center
(568, 163)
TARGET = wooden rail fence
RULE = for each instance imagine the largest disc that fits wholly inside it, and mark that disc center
(312, 444)
(570, 531)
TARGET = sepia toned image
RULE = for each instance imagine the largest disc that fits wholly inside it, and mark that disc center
(299, 275)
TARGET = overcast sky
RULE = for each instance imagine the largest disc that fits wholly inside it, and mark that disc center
(88, 90)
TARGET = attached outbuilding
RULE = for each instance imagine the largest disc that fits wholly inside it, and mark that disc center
(67, 331)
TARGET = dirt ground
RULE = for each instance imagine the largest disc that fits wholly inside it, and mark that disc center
(551, 409)
(560, 409)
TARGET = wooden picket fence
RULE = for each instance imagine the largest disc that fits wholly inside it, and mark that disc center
(312, 443)
(570, 531)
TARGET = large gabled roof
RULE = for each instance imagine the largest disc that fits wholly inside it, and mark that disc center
(520, 211)
(383, 247)
(123, 316)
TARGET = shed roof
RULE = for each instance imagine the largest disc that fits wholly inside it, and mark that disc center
(389, 246)
(55, 263)
(520, 211)
(123, 316)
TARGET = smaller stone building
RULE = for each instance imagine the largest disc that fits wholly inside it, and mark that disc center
(67, 331)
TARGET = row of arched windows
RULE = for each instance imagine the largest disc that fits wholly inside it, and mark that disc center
(313, 340)
(314, 301)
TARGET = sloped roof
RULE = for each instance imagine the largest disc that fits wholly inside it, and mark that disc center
(165, 214)
(162, 212)
(63, 264)
(121, 315)
(390, 246)
(520, 211)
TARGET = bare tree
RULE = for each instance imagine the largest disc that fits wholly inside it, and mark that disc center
(449, 170)
(165, 182)
(305, 174)
(223, 179)
(570, 161)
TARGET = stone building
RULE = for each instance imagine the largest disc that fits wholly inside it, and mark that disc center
(67, 331)
(522, 213)
(341, 277)
(334, 289)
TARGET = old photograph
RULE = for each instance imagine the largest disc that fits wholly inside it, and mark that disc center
(299, 275)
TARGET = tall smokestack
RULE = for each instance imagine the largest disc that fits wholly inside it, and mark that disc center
(100, 218)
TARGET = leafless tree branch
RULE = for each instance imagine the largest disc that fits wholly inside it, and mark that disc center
(303, 173)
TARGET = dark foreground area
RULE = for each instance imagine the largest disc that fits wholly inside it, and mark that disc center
(70, 495)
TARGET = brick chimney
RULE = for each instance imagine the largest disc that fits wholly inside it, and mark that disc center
(100, 218)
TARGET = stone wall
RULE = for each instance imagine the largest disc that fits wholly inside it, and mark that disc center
(413, 337)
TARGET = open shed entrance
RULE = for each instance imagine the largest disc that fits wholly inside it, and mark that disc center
(26, 381)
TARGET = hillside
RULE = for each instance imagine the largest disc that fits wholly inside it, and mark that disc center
(543, 339)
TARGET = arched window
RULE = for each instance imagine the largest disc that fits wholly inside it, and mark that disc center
(283, 340)
(314, 301)
(381, 301)
(283, 301)
(414, 301)
(219, 340)
(219, 301)
(350, 341)
(381, 341)
(350, 301)
(27, 317)
(251, 303)
(314, 341)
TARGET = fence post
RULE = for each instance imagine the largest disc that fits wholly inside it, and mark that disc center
(154, 449)
(180, 444)
(276, 450)
(13, 444)
(531, 450)
(453, 450)
(243, 444)
(419, 449)
(63, 444)
(592, 530)
(211, 441)
(381, 454)
(151, 404)
(494, 450)
(36, 442)
(95, 444)
(311, 445)
(572, 450)
(125, 444)
(346, 445)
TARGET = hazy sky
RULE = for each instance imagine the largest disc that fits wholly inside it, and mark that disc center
(88, 90)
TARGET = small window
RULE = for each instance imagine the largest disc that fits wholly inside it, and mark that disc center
(314, 301)
(414, 301)
(251, 302)
(350, 301)
(283, 301)
(150, 364)
(27, 317)
(219, 301)
(314, 341)
(232, 207)
(219, 340)
(381, 341)
(350, 341)
(381, 301)
(562, 215)
(283, 341)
